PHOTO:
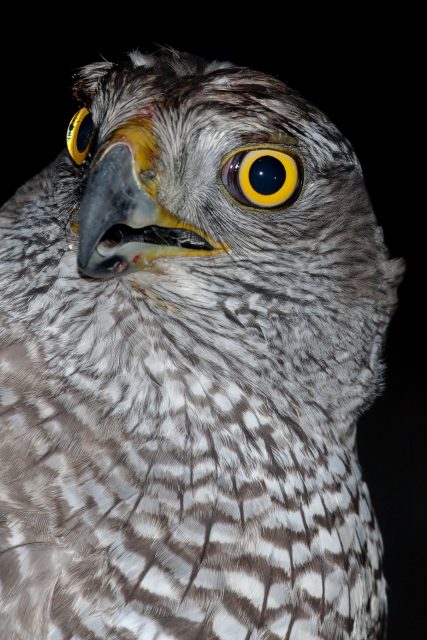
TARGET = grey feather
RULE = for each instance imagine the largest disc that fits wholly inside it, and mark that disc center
(177, 451)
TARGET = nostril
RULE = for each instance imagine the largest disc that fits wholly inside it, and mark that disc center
(148, 174)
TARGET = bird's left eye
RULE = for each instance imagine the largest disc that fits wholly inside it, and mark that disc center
(262, 178)
(80, 135)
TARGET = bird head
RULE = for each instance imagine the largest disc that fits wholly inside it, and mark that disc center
(170, 174)
(220, 221)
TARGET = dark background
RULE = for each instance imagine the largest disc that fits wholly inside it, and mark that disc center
(357, 81)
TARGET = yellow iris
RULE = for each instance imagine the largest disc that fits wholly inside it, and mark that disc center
(283, 180)
(79, 135)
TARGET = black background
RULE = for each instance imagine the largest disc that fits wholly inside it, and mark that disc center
(357, 82)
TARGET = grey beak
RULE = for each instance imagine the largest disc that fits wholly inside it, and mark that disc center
(112, 197)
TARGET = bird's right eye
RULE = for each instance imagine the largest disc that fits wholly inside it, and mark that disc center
(80, 135)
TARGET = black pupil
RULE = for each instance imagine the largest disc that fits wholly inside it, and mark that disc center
(267, 175)
(84, 133)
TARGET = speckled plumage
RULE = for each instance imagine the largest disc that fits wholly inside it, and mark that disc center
(177, 450)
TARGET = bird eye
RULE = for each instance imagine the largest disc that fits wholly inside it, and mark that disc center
(264, 178)
(79, 135)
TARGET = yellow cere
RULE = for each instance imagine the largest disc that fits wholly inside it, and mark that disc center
(141, 140)
(144, 149)
(285, 190)
(79, 135)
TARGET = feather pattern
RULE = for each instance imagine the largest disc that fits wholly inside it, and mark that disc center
(177, 451)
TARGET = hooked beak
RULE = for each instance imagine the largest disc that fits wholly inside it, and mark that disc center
(122, 228)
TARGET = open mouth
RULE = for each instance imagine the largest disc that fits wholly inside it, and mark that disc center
(120, 234)
(122, 226)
